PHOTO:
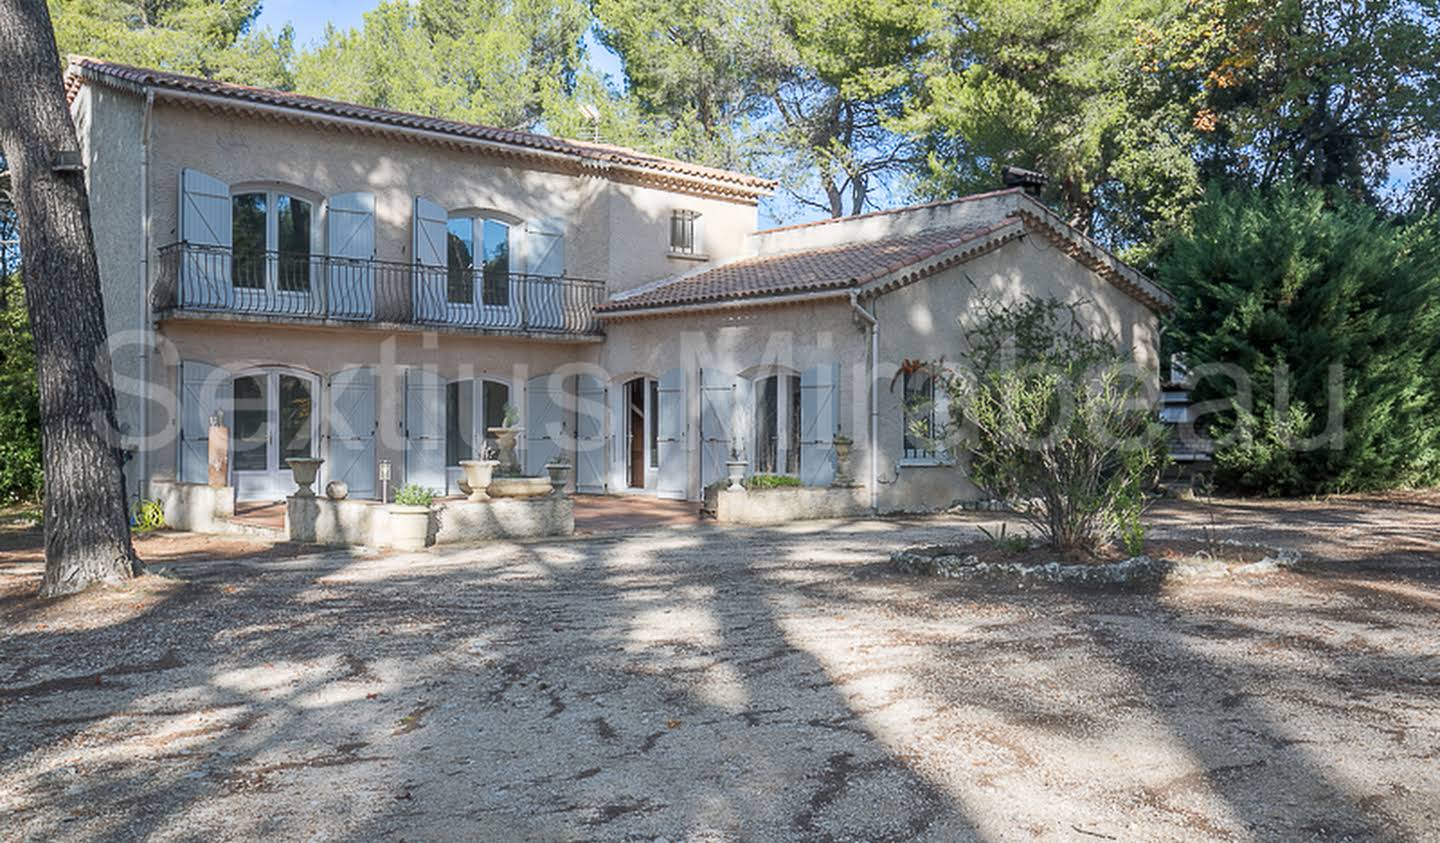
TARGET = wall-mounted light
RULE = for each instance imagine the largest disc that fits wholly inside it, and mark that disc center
(67, 161)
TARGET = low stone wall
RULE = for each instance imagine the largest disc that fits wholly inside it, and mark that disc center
(767, 507)
(319, 520)
(196, 507)
(461, 522)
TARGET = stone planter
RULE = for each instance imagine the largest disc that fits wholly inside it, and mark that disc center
(520, 487)
(736, 470)
(304, 470)
(506, 439)
(559, 475)
(843, 444)
(409, 526)
(478, 474)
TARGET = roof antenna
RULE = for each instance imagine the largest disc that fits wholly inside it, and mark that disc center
(1029, 180)
(591, 113)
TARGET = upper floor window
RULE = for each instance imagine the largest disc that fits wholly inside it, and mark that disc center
(273, 240)
(684, 233)
(920, 417)
(478, 256)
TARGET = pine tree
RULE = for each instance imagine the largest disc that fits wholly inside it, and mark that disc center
(1333, 315)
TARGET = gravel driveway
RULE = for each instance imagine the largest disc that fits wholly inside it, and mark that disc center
(715, 684)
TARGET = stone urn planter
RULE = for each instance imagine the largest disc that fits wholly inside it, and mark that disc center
(304, 470)
(843, 444)
(478, 475)
(409, 526)
(736, 473)
(559, 475)
(505, 440)
(520, 487)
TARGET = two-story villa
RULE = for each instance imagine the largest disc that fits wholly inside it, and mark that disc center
(365, 285)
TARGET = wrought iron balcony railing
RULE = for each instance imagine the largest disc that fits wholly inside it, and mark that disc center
(320, 287)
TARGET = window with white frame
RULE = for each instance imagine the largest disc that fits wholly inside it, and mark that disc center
(464, 438)
(921, 419)
(685, 233)
(477, 255)
(273, 236)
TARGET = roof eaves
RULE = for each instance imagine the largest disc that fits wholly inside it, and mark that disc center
(912, 268)
(597, 157)
(979, 243)
(766, 298)
(1087, 251)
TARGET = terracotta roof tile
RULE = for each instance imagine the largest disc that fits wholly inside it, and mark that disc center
(840, 267)
(598, 153)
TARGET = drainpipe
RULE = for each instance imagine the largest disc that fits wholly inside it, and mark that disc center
(872, 435)
(142, 455)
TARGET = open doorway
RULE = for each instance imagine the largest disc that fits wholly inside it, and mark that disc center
(641, 397)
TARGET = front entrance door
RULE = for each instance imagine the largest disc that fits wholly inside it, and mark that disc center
(273, 419)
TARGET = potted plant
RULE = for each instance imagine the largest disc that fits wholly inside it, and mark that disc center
(506, 436)
(478, 474)
(735, 468)
(304, 470)
(559, 474)
(410, 517)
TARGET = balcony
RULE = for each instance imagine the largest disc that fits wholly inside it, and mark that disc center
(319, 288)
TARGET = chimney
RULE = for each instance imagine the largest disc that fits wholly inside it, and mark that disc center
(1029, 180)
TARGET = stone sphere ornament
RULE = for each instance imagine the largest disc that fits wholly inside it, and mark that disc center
(336, 490)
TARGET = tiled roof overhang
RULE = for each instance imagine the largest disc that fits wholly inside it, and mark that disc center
(867, 268)
(601, 159)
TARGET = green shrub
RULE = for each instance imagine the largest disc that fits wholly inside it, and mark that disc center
(146, 516)
(412, 494)
(22, 472)
(1003, 541)
(1058, 422)
(771, 481)
(1332, 314)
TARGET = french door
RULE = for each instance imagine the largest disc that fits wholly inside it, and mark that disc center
(273, 419)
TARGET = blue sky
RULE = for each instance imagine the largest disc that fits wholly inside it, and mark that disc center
(309, 19)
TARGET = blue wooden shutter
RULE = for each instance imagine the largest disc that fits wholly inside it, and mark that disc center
(352, 422)
(819, 416)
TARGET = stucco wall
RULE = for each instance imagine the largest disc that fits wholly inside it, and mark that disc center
(613, 232)
(109, 127)
(983, 209)
(923, 321)
(640, 219)
(917, 322)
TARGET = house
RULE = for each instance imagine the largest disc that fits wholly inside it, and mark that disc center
(369, 286)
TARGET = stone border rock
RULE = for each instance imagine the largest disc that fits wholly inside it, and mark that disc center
(934, 561)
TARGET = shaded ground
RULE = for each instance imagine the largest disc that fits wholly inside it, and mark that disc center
(718, 684)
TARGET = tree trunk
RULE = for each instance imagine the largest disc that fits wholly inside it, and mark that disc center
(87, 532)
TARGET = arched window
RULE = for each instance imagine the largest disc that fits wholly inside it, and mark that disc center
(273, 419)
(472, 407)
(275, 235)
(478, 260)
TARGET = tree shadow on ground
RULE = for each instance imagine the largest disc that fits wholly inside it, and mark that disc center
(541, 694)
